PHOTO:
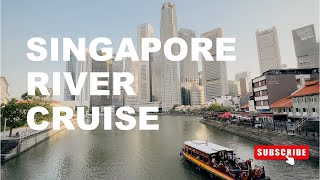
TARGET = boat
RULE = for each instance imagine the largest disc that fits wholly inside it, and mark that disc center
(221, 162)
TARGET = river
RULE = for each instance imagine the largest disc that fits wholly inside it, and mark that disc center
(135, 154)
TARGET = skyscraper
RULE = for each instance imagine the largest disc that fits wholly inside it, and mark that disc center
(102, 66)
(268, 49)
(214, 77)
(144, 31)
(72, 67)
(118, 100)
(188, 68)
(170, 84)
(84, 66)
(245, 82)
(131, 67)
(306, 47)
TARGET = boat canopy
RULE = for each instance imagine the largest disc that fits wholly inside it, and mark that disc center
(206, 147)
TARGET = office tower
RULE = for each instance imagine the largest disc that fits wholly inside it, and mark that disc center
(234, 88)
(306, 47)
(156, 76)
(188, 68)
(214, 78)
(118, 100)
(245, 82)
(103, 66)
(144, 31)
(268, 49)
(84, 66)
(72, 67)
(131, 67)
(170, 84)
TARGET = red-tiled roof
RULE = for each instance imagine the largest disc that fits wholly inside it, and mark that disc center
(282, 103)
(244, 106)
(311, 87)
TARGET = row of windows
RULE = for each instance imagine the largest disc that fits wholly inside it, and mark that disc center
(260, 83)
(260, 93)
(296, 110)
(305, 100)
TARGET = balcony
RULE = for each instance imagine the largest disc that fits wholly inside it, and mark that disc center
(260, 88)
(262, 107)
(259, 98)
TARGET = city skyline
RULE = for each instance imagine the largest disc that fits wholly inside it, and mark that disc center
(245, 49)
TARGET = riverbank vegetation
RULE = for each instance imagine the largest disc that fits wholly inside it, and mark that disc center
(14, 113)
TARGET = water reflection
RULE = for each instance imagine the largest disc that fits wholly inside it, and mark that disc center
(135, 154)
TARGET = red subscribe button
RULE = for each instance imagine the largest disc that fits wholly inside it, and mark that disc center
(273, 152)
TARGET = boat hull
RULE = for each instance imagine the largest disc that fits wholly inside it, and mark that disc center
(211, 170)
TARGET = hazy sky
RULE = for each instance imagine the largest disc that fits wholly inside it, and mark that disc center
(22, 20)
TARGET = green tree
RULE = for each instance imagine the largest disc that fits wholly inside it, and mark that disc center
(15, 114)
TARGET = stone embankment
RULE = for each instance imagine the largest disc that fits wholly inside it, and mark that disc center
(266, 137)
(13, 147)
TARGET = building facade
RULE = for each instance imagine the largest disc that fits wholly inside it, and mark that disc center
(72, 67)
(102, 66)
(188, 68)
(245, 82)
(144, 31)
(234, 88)
(302, 103)
(274, 85)
(306, 47)
(268, 49)
(4, 91)
(169, 75)
(214, 78)
(305, 101)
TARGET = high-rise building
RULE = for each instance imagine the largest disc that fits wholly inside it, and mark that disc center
(268, 49)
(118, 100)
(156, 76)
(234, 88)
(214, 78)
(144, 31)
(245, 82)
(306, 47)
(131, 67)
(170, 84)
(102, 66)
(84, 66)
(188, 68)
(72, 67)
(4, 91)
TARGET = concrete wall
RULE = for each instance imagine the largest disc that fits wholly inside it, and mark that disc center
(32, 140)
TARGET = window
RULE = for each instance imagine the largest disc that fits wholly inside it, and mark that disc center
(290, 110)
(304, 110)
(297, 110)
(302, 100)
(313, 109)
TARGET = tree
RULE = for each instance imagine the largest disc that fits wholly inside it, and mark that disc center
(219, 108)
(14, 114)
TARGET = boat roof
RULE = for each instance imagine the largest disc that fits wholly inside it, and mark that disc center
(206, 147)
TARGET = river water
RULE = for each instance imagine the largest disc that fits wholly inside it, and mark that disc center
(135, 154)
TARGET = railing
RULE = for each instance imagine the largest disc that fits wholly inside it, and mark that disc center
(31, 132)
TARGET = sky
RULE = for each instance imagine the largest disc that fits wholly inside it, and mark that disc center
(22, 20)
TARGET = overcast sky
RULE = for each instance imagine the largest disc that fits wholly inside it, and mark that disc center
(22, 20)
